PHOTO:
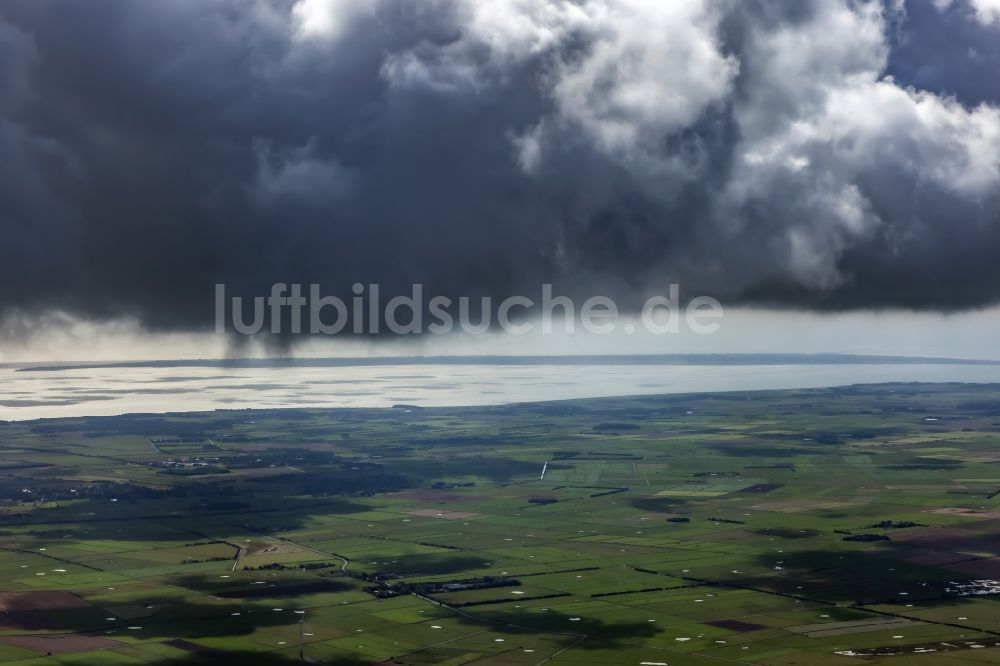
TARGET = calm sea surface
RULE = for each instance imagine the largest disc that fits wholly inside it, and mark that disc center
(119, 390)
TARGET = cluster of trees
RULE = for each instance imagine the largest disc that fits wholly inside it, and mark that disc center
(383, 589)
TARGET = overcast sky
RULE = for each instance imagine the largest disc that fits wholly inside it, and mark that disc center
(789, 158)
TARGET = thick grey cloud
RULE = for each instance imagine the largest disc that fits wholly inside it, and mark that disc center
(826, 154)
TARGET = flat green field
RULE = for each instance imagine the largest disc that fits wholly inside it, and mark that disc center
(832, 526)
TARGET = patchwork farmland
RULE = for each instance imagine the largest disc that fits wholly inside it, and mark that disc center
(830, 526)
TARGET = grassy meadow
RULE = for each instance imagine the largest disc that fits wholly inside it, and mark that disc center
(830, 526)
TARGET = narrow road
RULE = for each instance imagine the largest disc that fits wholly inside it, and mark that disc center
(239, 554)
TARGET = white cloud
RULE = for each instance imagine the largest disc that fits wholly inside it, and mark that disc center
(986, 11)
(492, 37)
(327, 19)
(648, 68)
(815, 114)
(821, 117)
(653, 69)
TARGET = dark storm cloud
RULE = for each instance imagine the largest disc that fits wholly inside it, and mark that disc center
(943, 48)
(754, 151)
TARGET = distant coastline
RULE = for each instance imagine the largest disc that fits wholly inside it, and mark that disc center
(577, 360)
